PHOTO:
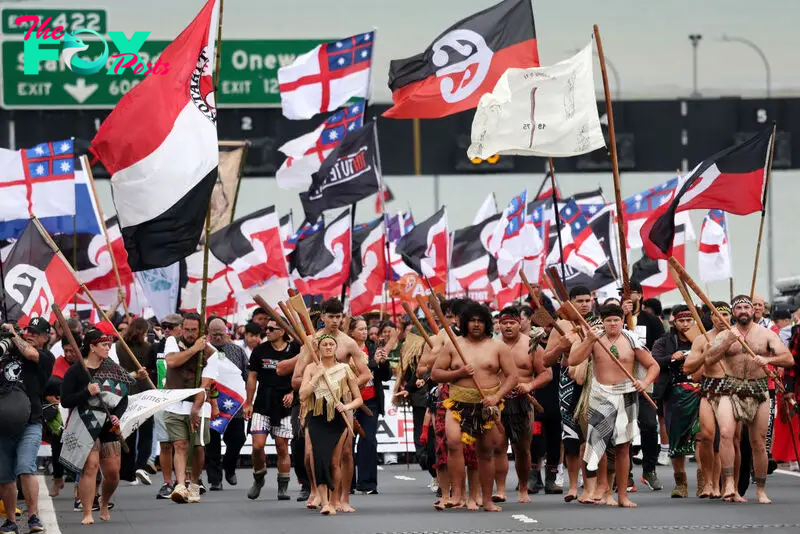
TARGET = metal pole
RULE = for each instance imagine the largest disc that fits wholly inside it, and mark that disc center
(757, 50)
(695, 38)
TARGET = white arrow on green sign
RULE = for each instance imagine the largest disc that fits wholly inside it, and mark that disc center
(248, 76)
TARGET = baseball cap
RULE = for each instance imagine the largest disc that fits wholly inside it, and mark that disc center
(39, 325)
(172, 319)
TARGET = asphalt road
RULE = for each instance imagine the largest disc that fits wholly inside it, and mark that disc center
(404, 506)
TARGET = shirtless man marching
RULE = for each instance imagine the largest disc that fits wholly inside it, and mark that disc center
(745, 396)
(347, 351)
(517, 416)
(713, 376)
(470, 419)
(613, 396)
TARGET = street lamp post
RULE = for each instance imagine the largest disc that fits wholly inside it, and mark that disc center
(695, 39)
(768, 72)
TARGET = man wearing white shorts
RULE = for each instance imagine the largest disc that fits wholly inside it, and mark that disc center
(270, 382)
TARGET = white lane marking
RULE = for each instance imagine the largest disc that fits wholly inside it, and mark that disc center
(403, 477)
(523, 518)
(785, 472)
(47, 512)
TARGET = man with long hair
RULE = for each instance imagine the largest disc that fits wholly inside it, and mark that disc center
(471, 416)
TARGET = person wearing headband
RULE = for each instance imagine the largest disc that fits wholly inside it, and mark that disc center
(680, 395)
(517, 415)
(613, 400)
(326, 423)
(98, 443)
(744, 392)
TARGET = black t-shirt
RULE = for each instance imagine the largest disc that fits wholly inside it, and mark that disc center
(31, 376)
(271, 388)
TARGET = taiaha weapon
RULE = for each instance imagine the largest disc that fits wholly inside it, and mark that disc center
(540, 315)
(675, 264)
(426, 311)
(306, 340)
(299, 307)
(573, 312)
(258, 299)
(417, 324)
(688, 300)
(71, 340)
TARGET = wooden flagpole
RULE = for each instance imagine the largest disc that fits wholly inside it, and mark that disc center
(612, 141)
(88, 170)
(74, 345)
(387, 256)
(97, 306)
(768, 172)
(687, 298)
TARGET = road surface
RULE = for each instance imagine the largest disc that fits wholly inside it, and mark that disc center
(404, 506)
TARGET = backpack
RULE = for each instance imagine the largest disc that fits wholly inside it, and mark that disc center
(15, 406)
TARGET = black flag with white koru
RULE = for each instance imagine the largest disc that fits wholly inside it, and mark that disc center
(35, 278)
(348, 174)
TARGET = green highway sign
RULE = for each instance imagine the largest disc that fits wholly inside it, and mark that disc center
(248, 76)
(69, 19)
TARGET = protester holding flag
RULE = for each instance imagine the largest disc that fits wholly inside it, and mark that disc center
(96, 401)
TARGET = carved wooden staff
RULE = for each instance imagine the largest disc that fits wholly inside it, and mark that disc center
(540, 315)
(416, 322)
(312, 351)
(427, 313)
(258, 299)
(688, 299)
(573, 312)
(675, 264)
(71, 340)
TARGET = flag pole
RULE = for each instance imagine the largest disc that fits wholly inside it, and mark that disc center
(612, 141)
(558, 221)
(85, 289)
(768, 172)
(382, 193)
(88, 170)
(417, 140)
(244, 145)
(3, 288)
(207, 229)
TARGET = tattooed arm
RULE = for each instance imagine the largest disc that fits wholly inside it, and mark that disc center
(25, 348)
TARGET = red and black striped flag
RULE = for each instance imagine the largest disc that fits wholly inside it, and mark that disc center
(464, 62)
(731, 180)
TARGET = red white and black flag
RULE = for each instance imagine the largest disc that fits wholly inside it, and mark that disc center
(320, 262)
(252, 247)
(368, 267)
(731, 180)
(36, 277)
(160, 146)
(349, 174)
(464, 62)
(424, 249)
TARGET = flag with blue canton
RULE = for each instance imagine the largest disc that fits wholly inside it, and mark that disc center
(642, 204)
(37, 181)
(304, 231)
(353, 50)
(340, 123)
(232, 390)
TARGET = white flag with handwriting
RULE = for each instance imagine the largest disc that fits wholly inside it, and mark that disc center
(541, 111)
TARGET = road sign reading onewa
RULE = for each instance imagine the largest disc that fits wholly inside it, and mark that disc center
(248, 77)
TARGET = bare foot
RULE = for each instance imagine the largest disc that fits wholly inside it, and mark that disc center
(523, 497)
(625, 502)
(312, 505)
(327, 510)
(491, 508)
(87, 520)
(571, 496)
(497, 497)
(457, 505)
(609, 501)
(472, 505)
(762, 497)
(439, 506)
(105, 514)
(55, 489)
(346, 508)
(706, 492)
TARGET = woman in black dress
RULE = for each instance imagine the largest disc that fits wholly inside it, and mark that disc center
(326, 427)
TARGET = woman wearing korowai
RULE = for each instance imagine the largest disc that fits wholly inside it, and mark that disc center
(326, 428)
(713, 375)
(101, 402)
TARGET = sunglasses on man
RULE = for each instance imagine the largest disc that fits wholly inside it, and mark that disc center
(272, 329)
